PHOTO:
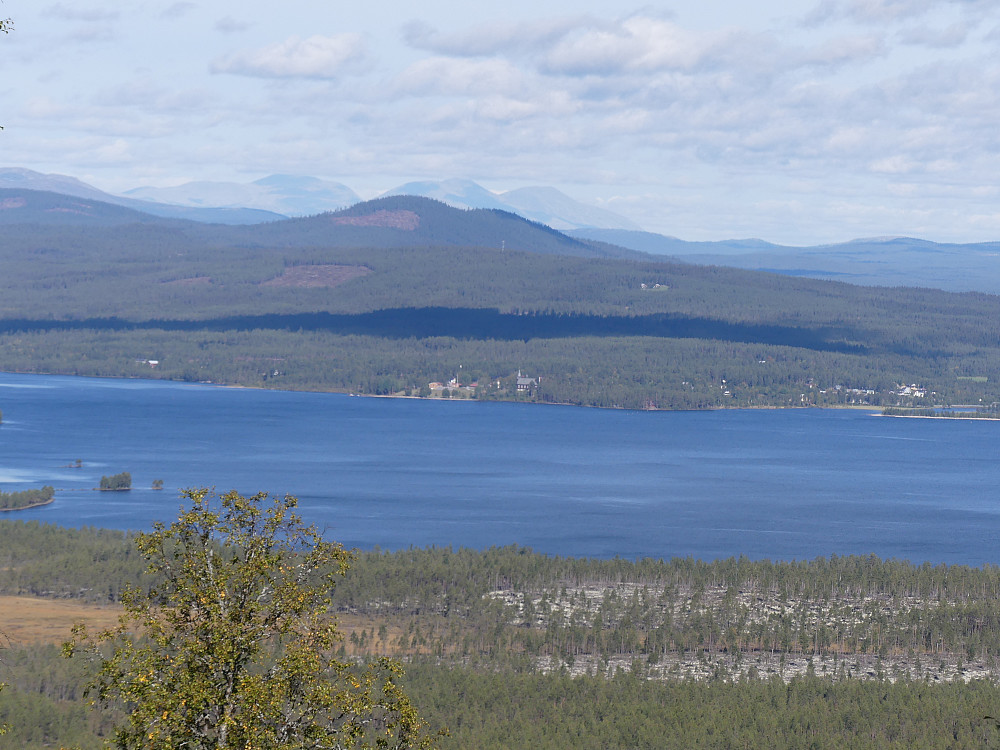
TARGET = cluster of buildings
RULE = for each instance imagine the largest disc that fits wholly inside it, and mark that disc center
(523, 384)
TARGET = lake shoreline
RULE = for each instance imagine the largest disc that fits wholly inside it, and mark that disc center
(348, 392)
(575, 482)
(28, 507)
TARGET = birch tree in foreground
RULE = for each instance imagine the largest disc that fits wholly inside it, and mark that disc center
(233, 645)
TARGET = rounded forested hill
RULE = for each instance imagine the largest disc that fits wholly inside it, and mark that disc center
(413, 221)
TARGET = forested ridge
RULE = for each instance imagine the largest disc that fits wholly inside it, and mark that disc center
(366, 308)
(844, 651)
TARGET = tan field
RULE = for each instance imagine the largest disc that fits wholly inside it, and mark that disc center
(27, 619)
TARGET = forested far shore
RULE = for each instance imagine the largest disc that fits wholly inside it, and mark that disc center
(595, 332)
(607, 371)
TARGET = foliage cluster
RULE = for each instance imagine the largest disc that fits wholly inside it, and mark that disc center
(233, 644)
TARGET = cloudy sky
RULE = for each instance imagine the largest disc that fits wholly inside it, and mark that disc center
(796, 121)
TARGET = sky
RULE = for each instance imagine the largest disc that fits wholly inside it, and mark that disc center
(799, 122)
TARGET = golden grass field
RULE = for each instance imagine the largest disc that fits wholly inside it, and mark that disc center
(30, 620)
(26, 620)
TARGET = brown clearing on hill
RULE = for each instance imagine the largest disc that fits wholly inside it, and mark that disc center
(33, 620)
(30, 619)
(317, 276)
(405, 220)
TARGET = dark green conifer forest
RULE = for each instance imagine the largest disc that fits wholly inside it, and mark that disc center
(509, 648)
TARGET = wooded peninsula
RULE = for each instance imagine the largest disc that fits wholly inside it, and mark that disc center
(26, 498)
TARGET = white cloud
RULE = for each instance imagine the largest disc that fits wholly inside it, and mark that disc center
(846, 49)
(446, 76)
(492, 39)
(78, 13)
(324, 57)
(43, 107)
(230, 25)
(950, 36)
(148, 96)
(635, 44)
(868, 11)
(178, 10)
(627, 121)
(896, 164)
(114, 152)
(849, 139)
(508, 109)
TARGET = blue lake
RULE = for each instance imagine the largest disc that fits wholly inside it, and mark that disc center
(584, 482)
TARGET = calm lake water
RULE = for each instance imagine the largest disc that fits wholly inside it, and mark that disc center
(562, 480)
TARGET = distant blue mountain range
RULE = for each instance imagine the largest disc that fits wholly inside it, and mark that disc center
(887, 261)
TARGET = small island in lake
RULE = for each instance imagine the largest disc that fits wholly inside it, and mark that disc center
(26, 499)
(116, 482)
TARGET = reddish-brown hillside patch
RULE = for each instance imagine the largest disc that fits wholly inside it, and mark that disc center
(317, 276)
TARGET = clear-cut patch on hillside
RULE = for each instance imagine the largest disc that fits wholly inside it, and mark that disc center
(402, 219)
(317, 276)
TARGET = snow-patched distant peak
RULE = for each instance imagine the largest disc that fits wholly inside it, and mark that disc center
(456, 193)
